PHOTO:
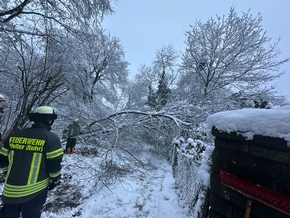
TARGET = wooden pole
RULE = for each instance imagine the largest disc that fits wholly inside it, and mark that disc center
(248, 208)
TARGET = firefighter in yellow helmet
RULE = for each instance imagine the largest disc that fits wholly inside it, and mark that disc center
(31, 158)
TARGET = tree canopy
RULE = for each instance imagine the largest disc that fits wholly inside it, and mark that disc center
(57, 53)
(230, 53)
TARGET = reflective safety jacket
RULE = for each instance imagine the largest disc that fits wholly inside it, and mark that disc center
(31, 157)
(72, 130)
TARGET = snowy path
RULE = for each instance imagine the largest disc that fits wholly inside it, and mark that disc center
(150, 194)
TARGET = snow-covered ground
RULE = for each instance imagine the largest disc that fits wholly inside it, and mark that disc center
(146, 192)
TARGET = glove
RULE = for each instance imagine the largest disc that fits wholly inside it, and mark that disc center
(52, 184)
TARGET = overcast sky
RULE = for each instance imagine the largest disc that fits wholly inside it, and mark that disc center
(144, 26)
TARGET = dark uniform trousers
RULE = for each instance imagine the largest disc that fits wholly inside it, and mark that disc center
(70, 145)
(29, 209)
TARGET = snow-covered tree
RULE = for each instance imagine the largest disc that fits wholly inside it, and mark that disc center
(60, 42)
(163, 92)
(166, 61)
(95, 66)
(31, 16)
(142, 88)
(229, 55)
(151, 99)
(30, 79)
(156, 81)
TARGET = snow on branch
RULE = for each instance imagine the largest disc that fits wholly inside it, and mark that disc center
(178, 122)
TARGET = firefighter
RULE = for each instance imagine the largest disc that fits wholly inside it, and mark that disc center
(70, 133)
(31, 159)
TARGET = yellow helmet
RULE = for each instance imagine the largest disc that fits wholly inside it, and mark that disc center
(42, 113)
